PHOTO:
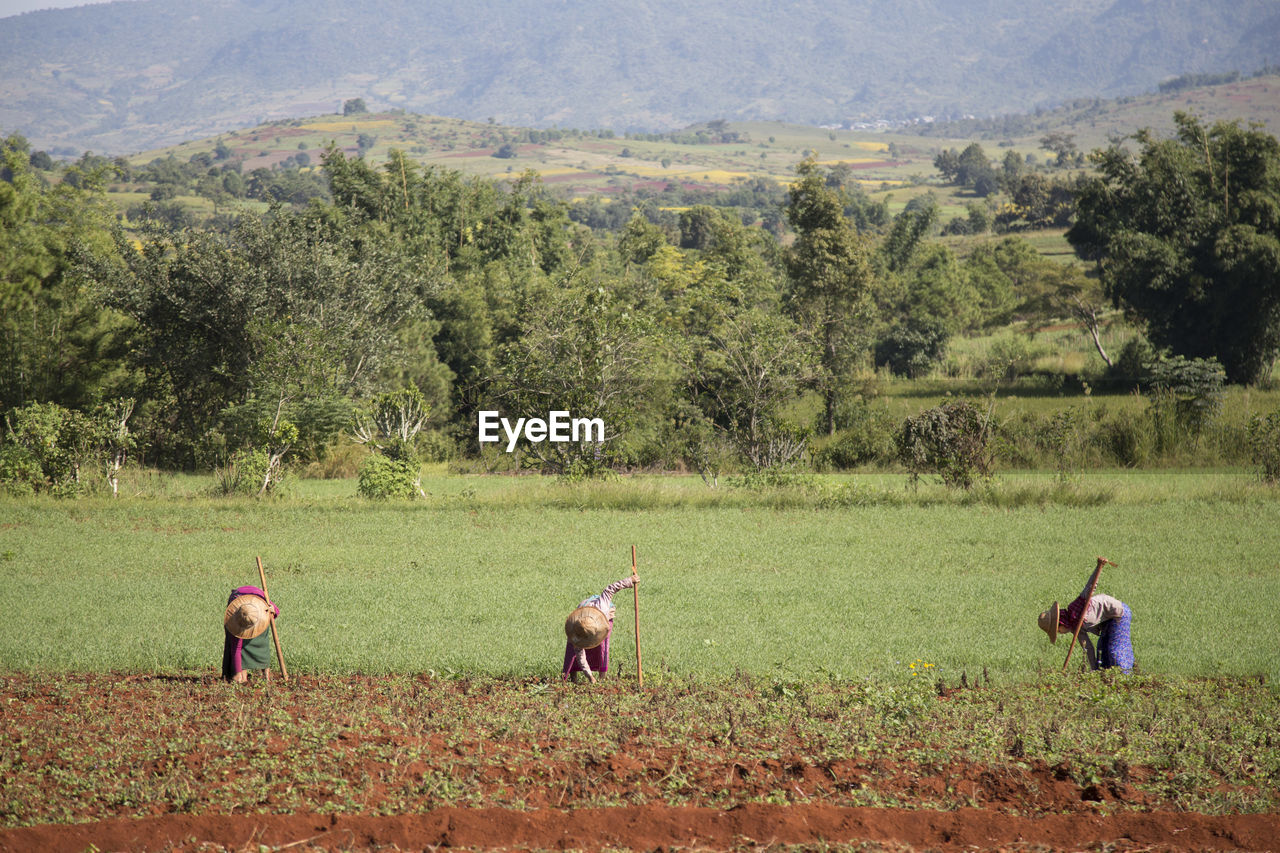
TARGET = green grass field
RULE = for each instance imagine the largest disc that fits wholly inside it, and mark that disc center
(477, 579)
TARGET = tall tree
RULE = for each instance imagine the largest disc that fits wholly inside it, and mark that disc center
(283, 312)
(831, 280)
(1186, 235)
(582, 352)
(57, 342)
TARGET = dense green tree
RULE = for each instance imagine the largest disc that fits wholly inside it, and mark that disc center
(582, 352)
(1012, 168)
(57, 343)
(639, 241)
(1008, 275)
(1186, 235)
(913, 346)
(1062, 144)
(487, 249)
(970, 169)
(742, 374)
(1036, 201)
(939, 288)
(258, 326)
(906, 235)
(831, 278)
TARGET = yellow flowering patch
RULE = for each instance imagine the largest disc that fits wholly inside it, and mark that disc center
(919, 666)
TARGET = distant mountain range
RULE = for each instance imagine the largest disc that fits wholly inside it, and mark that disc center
(122, 77)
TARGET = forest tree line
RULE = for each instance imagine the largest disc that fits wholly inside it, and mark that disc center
(402, 300)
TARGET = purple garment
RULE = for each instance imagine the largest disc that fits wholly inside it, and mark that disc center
(588, 660)
(232, 646)
(597, 659)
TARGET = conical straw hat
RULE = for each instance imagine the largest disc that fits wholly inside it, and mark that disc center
(247, 616)
(1049, 622)
(586, 627)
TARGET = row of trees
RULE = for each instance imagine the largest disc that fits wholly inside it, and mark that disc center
(692, 340)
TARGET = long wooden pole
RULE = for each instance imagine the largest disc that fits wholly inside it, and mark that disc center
(284, 673)
(635, 590)
(1093, 582)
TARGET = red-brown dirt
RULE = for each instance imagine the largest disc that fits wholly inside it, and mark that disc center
(164, 763)
(657, 827)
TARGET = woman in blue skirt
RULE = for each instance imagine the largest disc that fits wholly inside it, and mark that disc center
(1105, 616)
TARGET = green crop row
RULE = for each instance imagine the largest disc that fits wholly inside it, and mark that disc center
(846, 577)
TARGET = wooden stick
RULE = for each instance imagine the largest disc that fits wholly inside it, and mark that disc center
(284, 673)
(1093, 582)
(635, 590)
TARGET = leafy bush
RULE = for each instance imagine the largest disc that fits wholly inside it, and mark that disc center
(1126, 438)
(948, 440)
(384, 476)
(45, 447)
(242, 472)
(389, 427)
(1264, 445)
(866, 435)
(1131, 364)
(38, 443)
(913, 349)
(1193, 387)
(20, 473)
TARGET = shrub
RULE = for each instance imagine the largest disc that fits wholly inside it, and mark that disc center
(1016, 441)
(46, 448)
(1192, 386)
(389, 427)
(1130, 366)
(1063, 437)
(383, 476)
(1127, 438)
(1185, 398)
(949, 440)
(1264, 445)
(38, 447)
(243, 472)
(1011, 356)
(20, 473)
(866, 434)
(913, 349)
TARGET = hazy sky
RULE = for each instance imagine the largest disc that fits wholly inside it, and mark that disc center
(14, 7)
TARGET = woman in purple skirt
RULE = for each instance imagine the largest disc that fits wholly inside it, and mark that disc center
(588, 629)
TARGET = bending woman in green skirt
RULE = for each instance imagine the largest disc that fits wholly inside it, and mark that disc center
(247, 645)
